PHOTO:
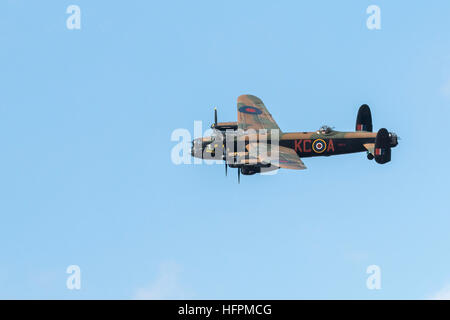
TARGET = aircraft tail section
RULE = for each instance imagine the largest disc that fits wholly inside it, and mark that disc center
(382, 150)
(364, 119)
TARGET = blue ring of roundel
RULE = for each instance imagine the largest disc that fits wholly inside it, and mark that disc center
(319, 146)
(250, 110)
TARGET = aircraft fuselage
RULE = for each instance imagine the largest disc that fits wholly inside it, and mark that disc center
(314, 144)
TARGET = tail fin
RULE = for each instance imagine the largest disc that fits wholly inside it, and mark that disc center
(364, 119)
(382, 146)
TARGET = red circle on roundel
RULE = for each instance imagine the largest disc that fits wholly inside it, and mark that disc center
(250, 110)
(319, 146)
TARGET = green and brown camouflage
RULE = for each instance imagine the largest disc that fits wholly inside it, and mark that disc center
(255, 141)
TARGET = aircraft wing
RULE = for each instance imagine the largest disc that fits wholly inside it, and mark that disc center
(253, 114)
(285, 158)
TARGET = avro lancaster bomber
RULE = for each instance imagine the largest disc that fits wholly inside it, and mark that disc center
(255, 143)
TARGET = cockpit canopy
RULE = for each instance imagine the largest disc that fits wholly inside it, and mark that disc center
(325, 129)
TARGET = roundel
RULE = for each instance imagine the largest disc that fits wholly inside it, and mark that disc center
(250, 110)
(319, 146)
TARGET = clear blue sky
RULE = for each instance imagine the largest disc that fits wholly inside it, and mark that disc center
(86, 176)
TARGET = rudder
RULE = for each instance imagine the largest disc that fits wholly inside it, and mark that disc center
(382, 146)
(364, 119)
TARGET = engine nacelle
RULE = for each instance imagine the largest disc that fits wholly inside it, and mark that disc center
(250, 170)
(224, 126)
(383, 143)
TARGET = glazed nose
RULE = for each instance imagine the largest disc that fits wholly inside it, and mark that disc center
(192, 148)
(196, 149)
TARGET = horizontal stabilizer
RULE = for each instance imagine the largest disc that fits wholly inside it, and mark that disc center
(370, 147)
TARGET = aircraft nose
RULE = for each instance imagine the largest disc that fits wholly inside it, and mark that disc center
(192, 148)
(196, 148)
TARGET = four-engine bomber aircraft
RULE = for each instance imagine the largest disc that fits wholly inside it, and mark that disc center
(256, 144)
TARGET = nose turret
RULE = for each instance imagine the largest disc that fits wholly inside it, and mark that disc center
(198, 146)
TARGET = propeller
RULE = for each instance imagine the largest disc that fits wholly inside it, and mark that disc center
(215, 118)
(239, 175)
(226, 168)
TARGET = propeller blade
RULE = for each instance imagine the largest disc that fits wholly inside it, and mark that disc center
(226, 168)
(215, 117)
(239, 175)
